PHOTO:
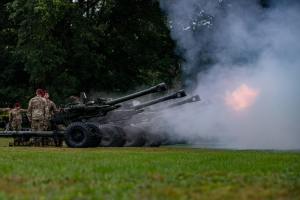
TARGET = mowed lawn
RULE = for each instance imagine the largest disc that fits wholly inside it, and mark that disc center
(147, 173)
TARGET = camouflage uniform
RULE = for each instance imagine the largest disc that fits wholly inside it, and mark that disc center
(15, 119)
(36, 113)
(74, 100)
(50, 111)
(4, 109)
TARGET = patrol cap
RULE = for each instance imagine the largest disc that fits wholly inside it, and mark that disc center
(17, 104)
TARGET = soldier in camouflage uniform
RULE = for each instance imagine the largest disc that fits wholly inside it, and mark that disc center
(74, 100)
(36, 111)
(15, 117)
(51, 109)
(15, 122)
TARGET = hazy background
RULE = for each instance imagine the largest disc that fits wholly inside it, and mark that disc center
(226, 44)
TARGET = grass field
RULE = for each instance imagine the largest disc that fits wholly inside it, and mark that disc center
(147, 173)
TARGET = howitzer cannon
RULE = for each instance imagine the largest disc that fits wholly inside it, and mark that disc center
(115, 128)
(191, 99)
(99, 107)
(104, 122)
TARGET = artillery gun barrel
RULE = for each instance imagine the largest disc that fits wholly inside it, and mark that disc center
(175, 95)
(191, 99)
(158, 88)
(85, 108)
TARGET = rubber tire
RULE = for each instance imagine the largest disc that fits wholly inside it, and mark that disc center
(112, 136)
(95, 131)
(134, 136)
(152, 140)
(84, 137)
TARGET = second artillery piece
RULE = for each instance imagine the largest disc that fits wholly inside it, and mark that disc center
(104, 122)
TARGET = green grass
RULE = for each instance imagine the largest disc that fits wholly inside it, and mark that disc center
(147, 173)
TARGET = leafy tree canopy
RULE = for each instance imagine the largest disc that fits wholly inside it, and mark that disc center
(68, 46)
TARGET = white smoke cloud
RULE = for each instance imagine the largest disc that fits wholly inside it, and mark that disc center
(249, 45)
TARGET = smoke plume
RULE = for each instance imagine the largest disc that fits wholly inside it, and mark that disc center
(233, 51)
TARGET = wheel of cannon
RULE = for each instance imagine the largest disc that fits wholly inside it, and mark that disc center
(112, 136)
(95, 131)
(152, 140)
(78, 135)
(134, 136)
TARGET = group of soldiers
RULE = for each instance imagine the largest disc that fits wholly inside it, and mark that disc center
(39, 112)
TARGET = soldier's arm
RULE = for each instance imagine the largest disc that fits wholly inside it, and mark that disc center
(29, 111)
(54, 107)
(4, 109)
(23, 110)
(9, 117)
(44, 108)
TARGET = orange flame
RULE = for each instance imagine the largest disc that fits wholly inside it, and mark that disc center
(241, 98)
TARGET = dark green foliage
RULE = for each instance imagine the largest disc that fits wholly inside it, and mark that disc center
(72, 46)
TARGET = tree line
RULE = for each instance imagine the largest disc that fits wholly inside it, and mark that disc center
(68, 46)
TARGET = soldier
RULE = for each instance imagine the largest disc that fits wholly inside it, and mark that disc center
(15, 117)
(36, 111)
(74, 100)
(51, 109)
(15, 122)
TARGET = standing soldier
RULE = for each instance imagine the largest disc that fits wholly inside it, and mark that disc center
(15, 117)
(15, 122)
(50, 111)
(36, 111)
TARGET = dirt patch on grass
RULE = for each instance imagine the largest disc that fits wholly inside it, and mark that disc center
(14, 186)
